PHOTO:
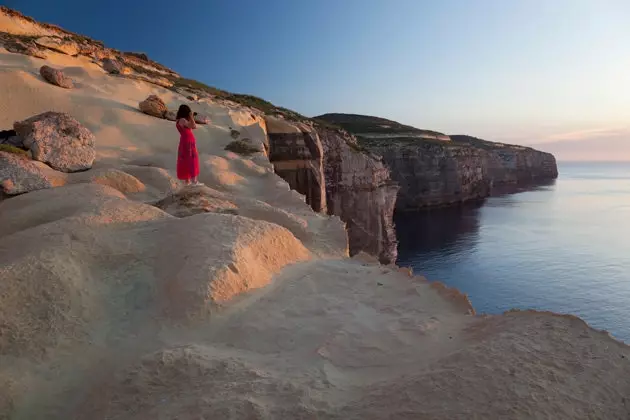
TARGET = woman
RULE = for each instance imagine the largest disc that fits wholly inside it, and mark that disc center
(187, 157)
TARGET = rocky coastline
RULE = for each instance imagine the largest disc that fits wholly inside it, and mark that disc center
(126, 295)
(433, 169)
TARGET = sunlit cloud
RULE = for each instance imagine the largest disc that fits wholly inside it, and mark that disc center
(612, 144)
(589, 134)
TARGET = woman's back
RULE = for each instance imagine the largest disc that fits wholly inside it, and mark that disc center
(186, 133)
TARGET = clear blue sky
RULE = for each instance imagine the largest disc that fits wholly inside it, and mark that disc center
(513, 70)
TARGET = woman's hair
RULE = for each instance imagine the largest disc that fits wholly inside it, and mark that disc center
(184, 111)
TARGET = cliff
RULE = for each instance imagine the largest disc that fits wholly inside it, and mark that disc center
(360, 191)
(326, 166)
(297, 156)
(434, 169)
(127, 296)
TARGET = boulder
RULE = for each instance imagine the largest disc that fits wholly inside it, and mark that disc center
(56, 77)
(62, 45)
(112, 66)
(202, 119)
(153, 106)
(170, 115)
(19, 175)
(58, 140)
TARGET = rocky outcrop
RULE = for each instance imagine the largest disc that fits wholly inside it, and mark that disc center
(112, 66)
(62, 45)
(56, 77)
(59, 140)
(21, 46)
(360, 191)
(296, 153)
(433, 169)
(153, 106)
(327, 166)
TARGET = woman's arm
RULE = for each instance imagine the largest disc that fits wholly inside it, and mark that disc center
(191, 122)
(187, 122)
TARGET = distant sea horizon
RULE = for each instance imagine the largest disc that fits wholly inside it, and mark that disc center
(563, 246)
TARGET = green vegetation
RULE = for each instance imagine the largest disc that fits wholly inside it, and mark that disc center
(358, 124)
(480, 143)
(14, 150)
(193, 84)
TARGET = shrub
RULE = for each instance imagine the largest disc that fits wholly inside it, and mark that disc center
(14, 150)
(242, 147)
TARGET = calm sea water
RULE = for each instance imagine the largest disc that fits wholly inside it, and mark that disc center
(563, 247)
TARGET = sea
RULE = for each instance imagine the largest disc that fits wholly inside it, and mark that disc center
(562, 247)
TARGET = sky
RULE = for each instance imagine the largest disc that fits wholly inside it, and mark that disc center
(533, 72)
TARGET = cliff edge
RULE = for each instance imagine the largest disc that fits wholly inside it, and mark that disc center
(434, 169)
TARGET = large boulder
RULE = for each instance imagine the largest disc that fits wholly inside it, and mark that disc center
(112, 66)
(64, 46)
(58, 140)
(56, 77)
(153, 106)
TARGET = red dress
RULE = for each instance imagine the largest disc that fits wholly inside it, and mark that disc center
(187, 157)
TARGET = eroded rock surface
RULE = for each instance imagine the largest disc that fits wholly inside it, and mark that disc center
(62, 45)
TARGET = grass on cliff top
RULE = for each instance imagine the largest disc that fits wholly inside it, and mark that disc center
(405, 141)
(482, 144)
(358, 124)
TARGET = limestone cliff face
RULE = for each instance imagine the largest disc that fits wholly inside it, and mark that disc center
(296, 154)
(360, 191)
(520, 166)
(328, 169)
(434, 169)
(433, 175)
